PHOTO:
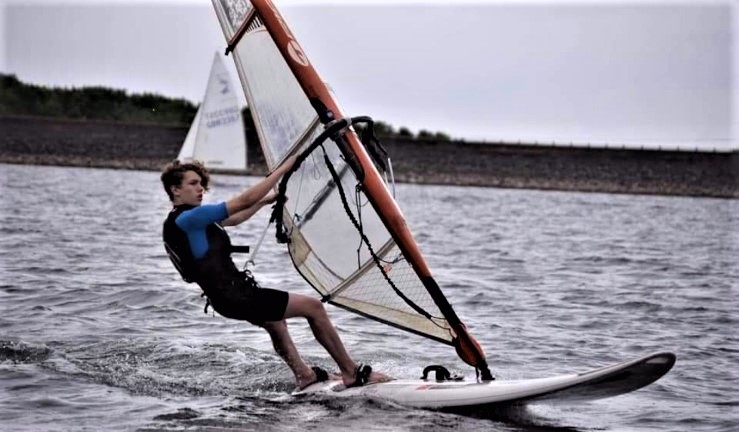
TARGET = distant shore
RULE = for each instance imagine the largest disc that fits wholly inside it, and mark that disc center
(45, 141)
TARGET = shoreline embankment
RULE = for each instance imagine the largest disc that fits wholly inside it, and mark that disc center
(101, 144)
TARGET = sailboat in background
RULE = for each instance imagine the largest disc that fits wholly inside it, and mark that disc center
(216, 136)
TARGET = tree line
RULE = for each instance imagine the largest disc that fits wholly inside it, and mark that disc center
(102, 103)
(91, 103)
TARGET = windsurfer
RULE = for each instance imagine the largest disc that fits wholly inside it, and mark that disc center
(201, 249)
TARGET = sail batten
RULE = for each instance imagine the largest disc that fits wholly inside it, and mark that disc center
(348, 237)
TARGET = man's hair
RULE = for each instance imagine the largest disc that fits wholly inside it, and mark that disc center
(174, 172)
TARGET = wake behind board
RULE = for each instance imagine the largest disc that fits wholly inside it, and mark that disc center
(460, 396)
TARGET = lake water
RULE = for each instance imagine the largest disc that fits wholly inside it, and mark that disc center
(97, 332)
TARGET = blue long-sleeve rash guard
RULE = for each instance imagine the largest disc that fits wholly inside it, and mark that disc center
(194, 221)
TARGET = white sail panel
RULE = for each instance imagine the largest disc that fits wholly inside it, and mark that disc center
(281, 111)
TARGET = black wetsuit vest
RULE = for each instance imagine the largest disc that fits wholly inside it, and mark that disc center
(211, 271)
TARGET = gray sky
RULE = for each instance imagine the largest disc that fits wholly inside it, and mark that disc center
(584, 71)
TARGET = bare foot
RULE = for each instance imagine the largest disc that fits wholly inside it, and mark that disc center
(304, 381)
(311, 377)
(369, 377)
(378, 377)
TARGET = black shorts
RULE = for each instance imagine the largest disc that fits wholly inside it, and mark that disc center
(245, 300)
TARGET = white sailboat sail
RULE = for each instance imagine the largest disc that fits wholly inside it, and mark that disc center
(347, 236)
(216, 136)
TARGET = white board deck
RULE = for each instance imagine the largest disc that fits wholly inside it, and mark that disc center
(598, 383)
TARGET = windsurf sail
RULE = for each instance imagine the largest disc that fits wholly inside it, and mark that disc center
(346, 234)
(216, 136)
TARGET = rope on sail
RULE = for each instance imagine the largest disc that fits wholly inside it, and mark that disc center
(367, 243)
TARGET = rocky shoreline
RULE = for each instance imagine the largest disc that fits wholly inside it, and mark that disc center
(44, 141)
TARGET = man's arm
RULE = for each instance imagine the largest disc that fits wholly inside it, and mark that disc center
(245, 214)
(254, 198)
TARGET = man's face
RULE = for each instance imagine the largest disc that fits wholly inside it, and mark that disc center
(190, 191)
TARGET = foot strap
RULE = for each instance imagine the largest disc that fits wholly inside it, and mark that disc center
(363, 375)
(321, 374)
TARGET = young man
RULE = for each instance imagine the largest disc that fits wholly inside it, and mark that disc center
(201, 250)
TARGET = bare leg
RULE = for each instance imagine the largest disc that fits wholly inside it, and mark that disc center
(285, 347)
(312, 309)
